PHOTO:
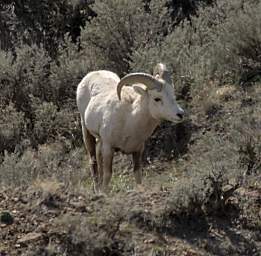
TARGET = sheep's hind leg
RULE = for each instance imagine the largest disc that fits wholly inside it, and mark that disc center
(90, 144)
(107, 158)
(99, 161)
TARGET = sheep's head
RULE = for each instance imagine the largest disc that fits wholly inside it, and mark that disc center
(159, 91)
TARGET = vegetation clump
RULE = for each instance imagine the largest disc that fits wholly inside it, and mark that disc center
(202, 176)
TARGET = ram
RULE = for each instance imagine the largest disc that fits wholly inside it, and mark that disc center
(121, 114)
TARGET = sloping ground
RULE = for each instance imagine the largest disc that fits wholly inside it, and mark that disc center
(48, 218)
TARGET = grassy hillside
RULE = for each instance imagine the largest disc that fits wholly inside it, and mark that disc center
(201, 176)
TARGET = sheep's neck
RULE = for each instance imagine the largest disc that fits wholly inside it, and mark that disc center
(142, 121)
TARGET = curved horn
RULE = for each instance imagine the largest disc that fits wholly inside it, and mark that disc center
(142, 78)
(161, 70)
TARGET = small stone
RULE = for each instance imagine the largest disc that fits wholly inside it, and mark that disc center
(79, 206)
(29, 237)
(6, 218)
(149, 241)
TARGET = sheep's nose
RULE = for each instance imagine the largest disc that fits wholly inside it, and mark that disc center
(180, 116)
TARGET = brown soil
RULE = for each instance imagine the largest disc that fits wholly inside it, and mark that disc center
(43, 225)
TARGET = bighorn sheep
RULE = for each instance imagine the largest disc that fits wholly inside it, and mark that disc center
(114, 117)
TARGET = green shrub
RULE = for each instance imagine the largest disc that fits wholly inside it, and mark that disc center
(186, 9)
(7, 77)
(247, 137)
(56, 161)
(250, 205)
(222, 159)
(67, 72)
(43, 91)
(51, 124)
(221, 43)
(33, 73)
(45, 125)
(12, 128)
(202, 194)
(237, 49)
(186, 50)
(95, 235)
(123, 26)
(32, 67)
(16, 171)
(24, 75)
(212, 174)
(27, 23)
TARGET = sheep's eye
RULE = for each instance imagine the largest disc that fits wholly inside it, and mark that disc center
(157, 99)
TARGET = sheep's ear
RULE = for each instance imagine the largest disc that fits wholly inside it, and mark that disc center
(140, 90)
(157, 76)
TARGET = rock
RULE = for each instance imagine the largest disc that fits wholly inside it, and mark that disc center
(149, 241)
(29, 238)
(225, 91)
(79, 206)
(6, 218)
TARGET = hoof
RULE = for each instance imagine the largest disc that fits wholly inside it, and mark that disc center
(140, 188)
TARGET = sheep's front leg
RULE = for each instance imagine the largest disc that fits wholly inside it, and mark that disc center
(107, 157)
